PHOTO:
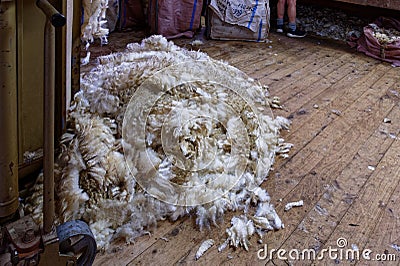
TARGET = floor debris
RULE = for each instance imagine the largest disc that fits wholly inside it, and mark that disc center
(206, 245)
(290, 205)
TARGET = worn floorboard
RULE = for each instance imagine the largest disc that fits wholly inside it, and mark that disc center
(336, 156)
(344, 164)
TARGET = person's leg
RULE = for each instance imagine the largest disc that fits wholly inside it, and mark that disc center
(293, 31)
(281, 8)
(280, 14)
(292, 14)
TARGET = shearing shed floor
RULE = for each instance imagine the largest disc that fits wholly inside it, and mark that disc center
(344, 165)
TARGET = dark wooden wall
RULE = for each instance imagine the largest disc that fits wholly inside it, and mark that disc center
(389, 4)
(361, 8)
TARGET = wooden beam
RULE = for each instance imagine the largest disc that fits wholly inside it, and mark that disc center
(389, 4)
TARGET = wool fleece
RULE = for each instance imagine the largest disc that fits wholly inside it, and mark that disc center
(160, 132)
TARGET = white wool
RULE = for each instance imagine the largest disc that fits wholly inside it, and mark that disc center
(224, 156)
(34, 203)
(93, 25)
(129, 233)
(266, 209)
(290, 205)
(259, 194)
(282, 122)
(94, 20)
(202, 218)
(240, 231)
(196, 43)
(207, 244)
(85, 60)
(101, 229)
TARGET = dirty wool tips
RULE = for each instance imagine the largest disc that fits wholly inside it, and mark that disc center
(160, 132)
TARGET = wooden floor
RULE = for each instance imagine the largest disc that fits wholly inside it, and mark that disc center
(344, 164)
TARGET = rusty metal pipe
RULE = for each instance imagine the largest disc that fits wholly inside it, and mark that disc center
(54, 18)
(8, 115)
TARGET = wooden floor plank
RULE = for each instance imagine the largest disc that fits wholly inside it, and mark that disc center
(368, 207)
(121, 254)
(331, 97)
(260, 59)
(338, 129)
(329, 153)
(317, 68)
(315, 228)
(338, 96)
(287, 62)
(179, 243)
(298, 93)
(386, 237)
(264, 57)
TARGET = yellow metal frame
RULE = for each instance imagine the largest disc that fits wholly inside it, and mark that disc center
(8, 115)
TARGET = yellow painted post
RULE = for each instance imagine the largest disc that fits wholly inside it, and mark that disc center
(8, 110)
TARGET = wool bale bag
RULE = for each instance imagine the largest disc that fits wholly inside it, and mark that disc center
(238, 20)
(381, 40)
(174, 18)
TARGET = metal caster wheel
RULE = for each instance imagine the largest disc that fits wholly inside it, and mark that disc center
(76, 237)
